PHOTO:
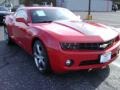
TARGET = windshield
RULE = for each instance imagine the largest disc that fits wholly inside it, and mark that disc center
(3, 9)
(49, 15)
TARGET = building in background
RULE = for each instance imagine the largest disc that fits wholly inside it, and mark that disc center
(40, 2)
(79, 5)
(74, 5)
(82, 5)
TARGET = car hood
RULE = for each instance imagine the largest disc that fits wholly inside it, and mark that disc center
(76, 29)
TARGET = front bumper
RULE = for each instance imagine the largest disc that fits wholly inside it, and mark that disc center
(82, 59)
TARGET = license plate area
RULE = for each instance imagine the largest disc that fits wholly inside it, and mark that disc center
(106, 57)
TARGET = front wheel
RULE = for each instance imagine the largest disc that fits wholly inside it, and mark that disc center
(40, 57)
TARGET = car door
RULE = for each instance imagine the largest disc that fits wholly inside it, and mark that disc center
(20, 28)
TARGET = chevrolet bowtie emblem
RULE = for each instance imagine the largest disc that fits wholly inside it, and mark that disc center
(103, 45)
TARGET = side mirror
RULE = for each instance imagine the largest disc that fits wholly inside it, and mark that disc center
(21, 20)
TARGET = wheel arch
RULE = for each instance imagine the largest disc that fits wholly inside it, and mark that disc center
(45, 48)
(33, 41)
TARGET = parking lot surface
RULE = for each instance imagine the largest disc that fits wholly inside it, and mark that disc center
(18, 71)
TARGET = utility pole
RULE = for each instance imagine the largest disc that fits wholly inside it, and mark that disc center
(89, 9)
(89, 16)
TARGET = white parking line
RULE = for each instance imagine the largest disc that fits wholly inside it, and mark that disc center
(116, 64)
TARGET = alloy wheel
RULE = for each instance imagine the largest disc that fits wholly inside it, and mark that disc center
(40, 57)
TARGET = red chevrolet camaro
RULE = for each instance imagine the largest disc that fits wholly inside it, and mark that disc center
(60, 41)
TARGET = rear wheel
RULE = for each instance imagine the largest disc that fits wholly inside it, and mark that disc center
(6, 36)
(40, 57)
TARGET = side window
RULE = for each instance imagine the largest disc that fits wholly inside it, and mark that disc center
(21, 14)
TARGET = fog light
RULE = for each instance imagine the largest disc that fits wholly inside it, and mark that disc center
(69, 62)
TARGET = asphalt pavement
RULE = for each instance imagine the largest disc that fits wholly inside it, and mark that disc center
(18, 71)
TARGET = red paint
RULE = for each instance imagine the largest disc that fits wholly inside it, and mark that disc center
(51, 34)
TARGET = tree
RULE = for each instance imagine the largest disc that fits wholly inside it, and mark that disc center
(116, 1)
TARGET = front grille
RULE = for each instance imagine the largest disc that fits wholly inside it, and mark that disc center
(97, 46)
(89, 46)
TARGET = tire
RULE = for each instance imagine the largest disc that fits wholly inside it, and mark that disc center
(7, 38)
(41, 58)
